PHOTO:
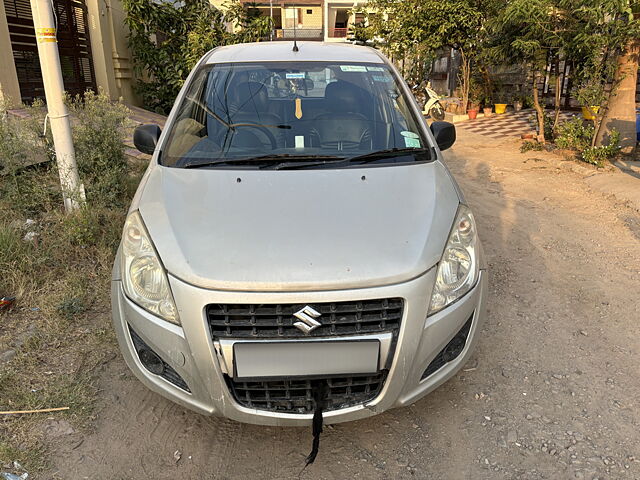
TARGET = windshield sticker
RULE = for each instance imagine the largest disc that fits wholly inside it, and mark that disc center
(381, 78)
(408, 134)
(299, 141)
(294, 75)
(375, 69)
(353, 68)
(412, 142)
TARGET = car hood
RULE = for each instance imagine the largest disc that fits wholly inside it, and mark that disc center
(292, 230)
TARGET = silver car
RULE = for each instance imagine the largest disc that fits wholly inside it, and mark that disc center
(297, 228)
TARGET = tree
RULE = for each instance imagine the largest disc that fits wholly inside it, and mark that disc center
(422, 27)
(606, 48)
(360, 32)
(167, 40)
(250, 24)
(529, 32)
(621, 111)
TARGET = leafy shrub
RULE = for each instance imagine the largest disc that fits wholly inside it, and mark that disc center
(598, 155)
(57, 265)
(574, 134)
(99, 130)
(168, 38)
(528, 146)
(27, 177)
(30, 183)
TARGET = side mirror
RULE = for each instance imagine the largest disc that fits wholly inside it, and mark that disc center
(145, 137)
(445, 134)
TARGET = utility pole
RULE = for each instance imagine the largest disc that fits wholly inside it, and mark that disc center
(45, 26)
(271, 15)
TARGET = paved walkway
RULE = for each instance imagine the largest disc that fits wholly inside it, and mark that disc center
(138, 117)
(510, 124)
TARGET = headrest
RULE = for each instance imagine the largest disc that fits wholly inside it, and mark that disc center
(249, 97)
(343, 97)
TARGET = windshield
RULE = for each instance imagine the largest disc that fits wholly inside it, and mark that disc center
(283, 109)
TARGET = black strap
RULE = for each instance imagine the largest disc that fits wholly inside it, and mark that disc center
(319, 392)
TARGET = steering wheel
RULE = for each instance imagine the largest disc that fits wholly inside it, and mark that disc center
(264, 130)
(270, 136)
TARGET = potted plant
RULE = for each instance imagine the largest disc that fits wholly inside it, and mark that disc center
(472, 110)
(486, 102)
(500, 93)
(590, 112)
(500, 108)
(475, 92)
(517, 104)
(590, 94)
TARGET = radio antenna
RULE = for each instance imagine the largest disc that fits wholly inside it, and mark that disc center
(295, 37)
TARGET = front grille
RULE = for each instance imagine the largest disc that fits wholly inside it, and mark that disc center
(276, 320)
(295, 396)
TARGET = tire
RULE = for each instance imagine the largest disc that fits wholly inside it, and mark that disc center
(436, 112)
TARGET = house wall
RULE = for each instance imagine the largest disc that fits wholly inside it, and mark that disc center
(111, 58)
(313, 19)
(330, 12)
(9, 87)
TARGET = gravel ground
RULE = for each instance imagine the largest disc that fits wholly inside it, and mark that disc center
(551, 391)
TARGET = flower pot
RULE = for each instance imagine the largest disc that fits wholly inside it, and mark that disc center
(501, 108)
(473, 113)
(517, 106)
(588, 112)
(488, 111)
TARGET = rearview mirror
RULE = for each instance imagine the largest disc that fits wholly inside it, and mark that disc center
(445, 134)
(145, 137)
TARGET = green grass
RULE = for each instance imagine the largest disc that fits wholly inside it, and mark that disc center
(33, 456)
(60, 324)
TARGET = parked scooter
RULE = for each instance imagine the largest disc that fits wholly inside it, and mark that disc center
(427, 97)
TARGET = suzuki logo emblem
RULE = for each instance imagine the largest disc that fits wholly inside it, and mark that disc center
(307, 317)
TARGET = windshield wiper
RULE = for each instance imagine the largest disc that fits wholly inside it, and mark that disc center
(275, 160)
(295, 161)
(390, 153)
(359, 159)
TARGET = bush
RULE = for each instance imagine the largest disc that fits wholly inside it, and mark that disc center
(598, 155)
(574, 134)
(528, 146)
(30, 184)
(98, 134)
(58, 267)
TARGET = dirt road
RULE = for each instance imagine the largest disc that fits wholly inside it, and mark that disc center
(551, 392)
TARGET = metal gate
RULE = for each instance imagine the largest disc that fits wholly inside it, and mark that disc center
(73, 45)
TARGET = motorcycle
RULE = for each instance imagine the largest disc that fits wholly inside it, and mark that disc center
(430, 99)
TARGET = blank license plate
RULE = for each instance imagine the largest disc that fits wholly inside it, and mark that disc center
(288, 359)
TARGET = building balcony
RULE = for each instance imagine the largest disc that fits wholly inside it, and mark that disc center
(338, 32)
(299, 33)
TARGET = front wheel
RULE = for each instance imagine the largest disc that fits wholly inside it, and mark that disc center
(436, 111)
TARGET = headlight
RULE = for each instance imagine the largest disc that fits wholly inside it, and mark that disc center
(143, 276)
(458, 268)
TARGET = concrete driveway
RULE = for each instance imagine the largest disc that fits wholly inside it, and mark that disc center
(551, 392)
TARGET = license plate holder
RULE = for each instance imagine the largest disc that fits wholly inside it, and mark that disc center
(305, 358)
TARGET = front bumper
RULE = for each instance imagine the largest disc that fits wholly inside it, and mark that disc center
(190, 351)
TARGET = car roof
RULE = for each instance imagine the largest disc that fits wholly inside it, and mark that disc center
(282, 51)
